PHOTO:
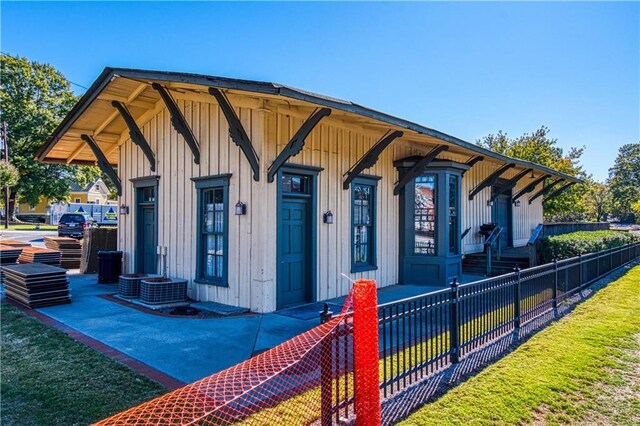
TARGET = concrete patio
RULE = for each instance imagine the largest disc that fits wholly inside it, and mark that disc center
(184, 348)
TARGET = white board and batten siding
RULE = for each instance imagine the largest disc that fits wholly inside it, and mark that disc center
(477, 212)
(252, 237)
(177, 198)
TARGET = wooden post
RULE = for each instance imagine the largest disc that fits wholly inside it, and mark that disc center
(366, 362)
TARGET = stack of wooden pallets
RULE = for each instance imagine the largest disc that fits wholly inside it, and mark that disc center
(35, 285)
(8, 256)
(69, 248)
(96, 239)
(39, 255)
(14, 243)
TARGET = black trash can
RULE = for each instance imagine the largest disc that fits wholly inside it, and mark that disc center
(109, 266)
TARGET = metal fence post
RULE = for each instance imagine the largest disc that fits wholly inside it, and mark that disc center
(454, 323)
(610, 259)
(326, 370)
(516, 301)
(581, 277)
(326, 380)
(555, 285)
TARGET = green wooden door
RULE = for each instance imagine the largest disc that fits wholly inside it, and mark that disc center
(501, 216)
(146, 232)
(294, 280)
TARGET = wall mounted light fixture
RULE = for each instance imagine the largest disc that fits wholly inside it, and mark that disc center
(327, 217)
(124, 209)
(241, 208)
(490, 203)
(516, 203)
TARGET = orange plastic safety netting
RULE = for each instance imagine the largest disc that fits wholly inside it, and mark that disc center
(308, 379)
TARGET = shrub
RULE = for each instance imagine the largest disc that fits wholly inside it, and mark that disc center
(583, 242)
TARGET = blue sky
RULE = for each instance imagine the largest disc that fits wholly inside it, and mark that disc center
(467, 69)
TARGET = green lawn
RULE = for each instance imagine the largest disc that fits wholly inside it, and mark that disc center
(30, 227)
(50, 379)
(583, 369)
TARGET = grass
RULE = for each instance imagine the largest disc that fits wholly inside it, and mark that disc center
(580, 369)
(30, 227)
(50, 379)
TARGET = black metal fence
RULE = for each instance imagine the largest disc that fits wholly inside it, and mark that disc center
(426, 333)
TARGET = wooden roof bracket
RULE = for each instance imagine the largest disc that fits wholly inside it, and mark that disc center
(370, 158)
(472, 162)
(490, 180)
(527, 189)
(511, 183)
(557, 192)
(178, 121)
(296, 143)
(103, 164)
(545, 189)
(136, 134)
(418, 168)
(237, 132)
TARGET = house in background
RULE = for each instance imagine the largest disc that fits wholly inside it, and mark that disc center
(263, 196)
(96, 192)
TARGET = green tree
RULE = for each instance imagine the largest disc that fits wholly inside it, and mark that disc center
(597, 201)
(624, 180)
(539, 148)
(9, 174)
(34, 97)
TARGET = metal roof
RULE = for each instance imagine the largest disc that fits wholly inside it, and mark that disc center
(265, 88)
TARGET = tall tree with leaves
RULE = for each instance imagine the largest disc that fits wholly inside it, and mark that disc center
(34, 97)
(597, 200)
(624, 181)
(539, 148)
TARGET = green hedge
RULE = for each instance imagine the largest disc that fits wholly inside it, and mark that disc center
(583, 242)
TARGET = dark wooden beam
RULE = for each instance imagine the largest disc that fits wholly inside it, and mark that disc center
(545, 189)
(370, 158)
(418, 168)
(296, 143)
(103, 164)
(237, 132)
(557, 192)
(136, 134)
(527, 189)
(178, 121)
(490, 180)
(472, 162)
(510, 184)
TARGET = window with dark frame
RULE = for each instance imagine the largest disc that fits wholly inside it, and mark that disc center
(213, 231)
(453, 215)
(363, 196)
(425, 215)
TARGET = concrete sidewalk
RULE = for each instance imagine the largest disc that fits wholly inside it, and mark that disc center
(188, 349)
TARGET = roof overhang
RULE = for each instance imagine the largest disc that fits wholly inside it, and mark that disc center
(95, 115)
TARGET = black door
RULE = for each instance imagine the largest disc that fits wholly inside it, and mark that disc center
(146, 258)
(294, 243)
(501, 216)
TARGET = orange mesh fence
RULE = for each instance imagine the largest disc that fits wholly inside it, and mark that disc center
(367, 367)
(306, 380)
